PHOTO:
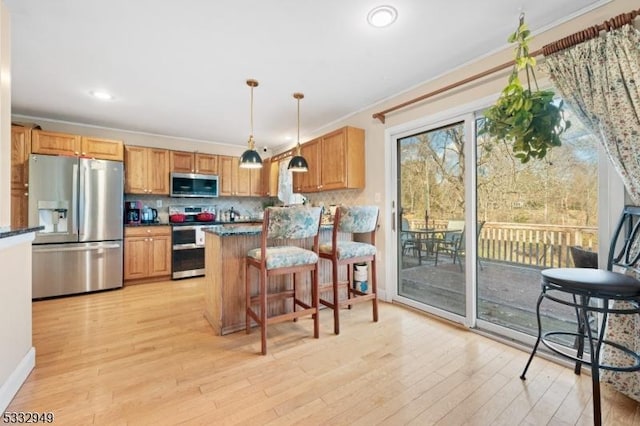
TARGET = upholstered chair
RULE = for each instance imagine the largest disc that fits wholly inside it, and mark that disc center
(290, 228)
(361, 220)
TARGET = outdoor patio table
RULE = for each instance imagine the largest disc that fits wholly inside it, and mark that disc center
(426, 240)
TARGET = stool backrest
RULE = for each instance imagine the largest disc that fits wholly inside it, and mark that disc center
(624, 251)
(294, 222)
(357, 219)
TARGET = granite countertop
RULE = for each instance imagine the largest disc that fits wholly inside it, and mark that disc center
(7, 231)
(225, 231)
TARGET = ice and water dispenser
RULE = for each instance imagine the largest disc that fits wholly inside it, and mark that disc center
(53, 215)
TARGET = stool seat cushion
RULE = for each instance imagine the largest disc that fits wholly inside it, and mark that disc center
(285, 256)
(595, 282)
(349, 249)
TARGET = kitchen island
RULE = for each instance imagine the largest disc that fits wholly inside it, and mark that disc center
(226, 248)
(18, 356)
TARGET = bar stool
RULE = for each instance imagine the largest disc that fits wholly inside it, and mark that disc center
(354, 220)
(283, 224)
(599, 292)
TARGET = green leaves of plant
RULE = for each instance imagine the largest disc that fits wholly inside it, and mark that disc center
(530, 120)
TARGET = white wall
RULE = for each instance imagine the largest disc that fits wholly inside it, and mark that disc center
(17, 355)
(5, 116)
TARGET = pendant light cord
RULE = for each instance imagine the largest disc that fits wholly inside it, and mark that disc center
(251, 83)
(298, 96)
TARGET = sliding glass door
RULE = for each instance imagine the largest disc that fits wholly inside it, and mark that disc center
(534, 216)
(476, 227)
(431, 206)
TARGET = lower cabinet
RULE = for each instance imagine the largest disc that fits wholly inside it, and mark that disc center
(147, 253)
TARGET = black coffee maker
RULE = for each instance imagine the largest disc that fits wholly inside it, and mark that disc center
(133, 212)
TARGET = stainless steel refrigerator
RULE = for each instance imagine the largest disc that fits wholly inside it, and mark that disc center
(79, 202)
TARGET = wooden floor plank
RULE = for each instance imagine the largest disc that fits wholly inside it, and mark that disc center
(146, 355)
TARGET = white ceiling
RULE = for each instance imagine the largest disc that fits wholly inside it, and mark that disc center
(178, 68)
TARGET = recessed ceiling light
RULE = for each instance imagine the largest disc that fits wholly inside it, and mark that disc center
(102, 95)
(382, 16)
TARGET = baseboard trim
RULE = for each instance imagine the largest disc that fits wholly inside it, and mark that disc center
(10, 388)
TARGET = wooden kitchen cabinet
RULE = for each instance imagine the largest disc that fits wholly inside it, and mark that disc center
(189, 162)
(309, 181)
(146, 170)
(238, 182)
(147, 253)
(206, 163)
(20, 143)
(270, 175)
(103, 149)
(345, 149)
(55, 143)
(336, 161)
(228, 174)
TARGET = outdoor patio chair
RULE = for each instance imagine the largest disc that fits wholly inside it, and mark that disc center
(408, 240)
(583, 258)
(590, 291)
(453, 243)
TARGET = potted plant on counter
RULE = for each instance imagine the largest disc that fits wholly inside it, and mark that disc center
(531, 120)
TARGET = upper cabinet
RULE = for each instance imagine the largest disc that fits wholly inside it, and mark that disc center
(345, 149)
(20, 142)
(310, 181)
(189, 162)
(54, 143)
(270, 174)
(146, 170)
(238, 182)
(336, 161)
(103, 149)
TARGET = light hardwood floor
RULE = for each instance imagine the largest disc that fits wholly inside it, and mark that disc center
(146, 355)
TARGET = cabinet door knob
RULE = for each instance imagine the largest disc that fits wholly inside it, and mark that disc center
(76, 153)
(26, 185)
(26, 194)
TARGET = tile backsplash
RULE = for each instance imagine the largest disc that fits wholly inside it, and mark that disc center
(244, 206)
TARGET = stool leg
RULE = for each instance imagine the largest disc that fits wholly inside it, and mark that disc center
(374, 289)
(595, 361)
(351, 284)
(535, 347)
(336, 299)
(247, 285)
(263, 310)
(315, 302)
(293, 308)
(579, 341)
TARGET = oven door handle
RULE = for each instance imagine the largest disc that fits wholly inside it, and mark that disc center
(186, 247)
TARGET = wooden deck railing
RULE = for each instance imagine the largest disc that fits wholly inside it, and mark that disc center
(536, 245)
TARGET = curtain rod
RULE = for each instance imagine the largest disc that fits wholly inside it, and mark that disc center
(556, 46)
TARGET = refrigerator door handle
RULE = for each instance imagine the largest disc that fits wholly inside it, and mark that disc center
(80, 197)
(75, 248)
(74, 200)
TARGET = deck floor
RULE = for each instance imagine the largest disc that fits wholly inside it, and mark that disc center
(507, 293)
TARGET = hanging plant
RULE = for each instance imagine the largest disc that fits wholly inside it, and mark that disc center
(528, 119)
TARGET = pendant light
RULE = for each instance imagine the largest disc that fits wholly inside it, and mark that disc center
(250, 159)
(298, 163)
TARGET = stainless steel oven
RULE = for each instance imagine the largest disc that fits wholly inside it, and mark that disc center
(188, 251)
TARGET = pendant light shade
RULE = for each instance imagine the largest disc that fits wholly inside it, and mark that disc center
(298, 163)
(250, 159)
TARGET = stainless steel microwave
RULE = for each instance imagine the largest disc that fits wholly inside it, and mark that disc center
(193, 185)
